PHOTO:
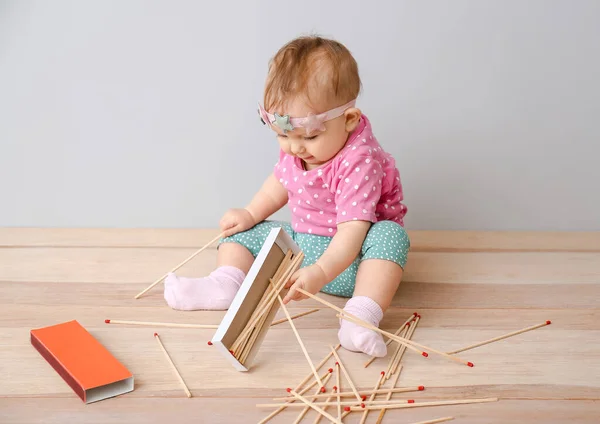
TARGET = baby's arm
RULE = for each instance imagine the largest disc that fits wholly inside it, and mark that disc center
(271, 197)
(340, 253)
(343, 248)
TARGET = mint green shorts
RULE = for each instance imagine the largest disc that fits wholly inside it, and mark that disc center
(385, 240)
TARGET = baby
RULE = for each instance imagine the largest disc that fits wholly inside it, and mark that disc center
(343, 190)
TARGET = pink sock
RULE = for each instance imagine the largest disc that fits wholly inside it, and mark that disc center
(359, 339)
(214, 292)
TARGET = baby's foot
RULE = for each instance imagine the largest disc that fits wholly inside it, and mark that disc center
(359, 339)
(215, 292)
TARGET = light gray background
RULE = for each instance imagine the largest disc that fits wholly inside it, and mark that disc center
(143, 113)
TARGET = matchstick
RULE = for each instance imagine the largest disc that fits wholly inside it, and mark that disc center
(495, 339)
(301, 314)
(396, 352)
(366, 392)
(161, 324)
(338, 389)
(289, 318)
(187, 391)
(329, 399)
(313, 406)
(179, 266)
(389, 395)
(343, 368)
(435, 421)
(344, 403)
(306, 407)
(398, 331)
(299, 386)
(422, 404)
(318, 367)
(411, 332)
(372, 397)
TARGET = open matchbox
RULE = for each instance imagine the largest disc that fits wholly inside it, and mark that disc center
(251, 291)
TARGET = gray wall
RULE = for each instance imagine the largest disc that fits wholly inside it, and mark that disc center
(143, 113)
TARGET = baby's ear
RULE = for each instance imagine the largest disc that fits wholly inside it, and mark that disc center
(352, 116)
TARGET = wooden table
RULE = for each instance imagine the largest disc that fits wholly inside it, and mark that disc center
(468, 286)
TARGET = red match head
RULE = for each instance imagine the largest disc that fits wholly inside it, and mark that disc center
(364, 397)
(337, 363)
(382, 372)
(419, 316)
(411, 401)
(421, 388)
(335, 388)
(209, 343)
(323, 389)
(470, 364)
(107, 321)
(415, 314)
(548, 322)
(425, 354)
(155, 334)
(288, 390)
(330, 370)
(231, 351)
(347, 408)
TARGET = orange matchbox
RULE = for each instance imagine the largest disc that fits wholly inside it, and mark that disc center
(86, 365)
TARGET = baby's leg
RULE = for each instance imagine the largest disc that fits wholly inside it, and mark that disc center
(217, 290)
(377, 279)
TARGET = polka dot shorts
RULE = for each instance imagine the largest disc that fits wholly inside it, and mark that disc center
(385, 240)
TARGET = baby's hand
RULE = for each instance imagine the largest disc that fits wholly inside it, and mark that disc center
(235, 221)
(311, 279)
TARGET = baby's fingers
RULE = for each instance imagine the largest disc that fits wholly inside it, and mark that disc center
(292, 279)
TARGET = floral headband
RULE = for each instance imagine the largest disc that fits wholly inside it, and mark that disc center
(310, 123)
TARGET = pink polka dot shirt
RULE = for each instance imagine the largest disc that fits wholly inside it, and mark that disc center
(360, 183)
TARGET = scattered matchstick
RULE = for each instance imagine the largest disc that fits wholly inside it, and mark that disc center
(329, 403)
(187, 391)
(161, 324)
(306, 407)
(313, 406)
(411, 331)
(289, 318)
(389, 395)
(495, 339)
(397, 333)
(329, 399)
(299, 386)
(341, 365)
(179, 266)
(372, 397)
(338, 390)
(423, 404)
(399, 347)
(435, 421)
(367, 392)
(301, 314)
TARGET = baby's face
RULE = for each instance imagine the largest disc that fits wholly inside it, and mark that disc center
(318, 147)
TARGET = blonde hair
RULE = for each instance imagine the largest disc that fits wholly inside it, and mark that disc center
(322, 70)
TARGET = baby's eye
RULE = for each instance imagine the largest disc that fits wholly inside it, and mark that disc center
(312, 137)
(281, 136)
